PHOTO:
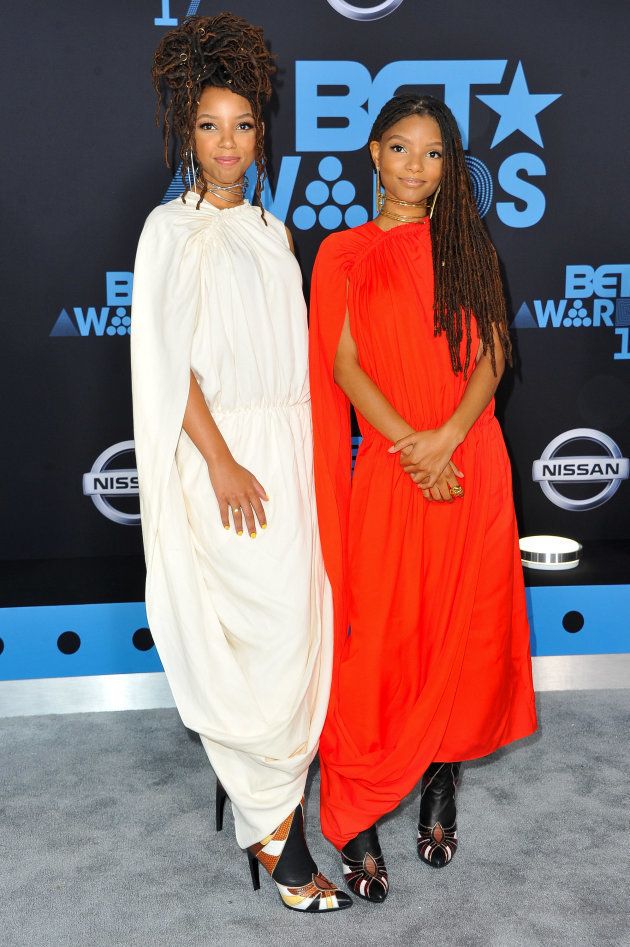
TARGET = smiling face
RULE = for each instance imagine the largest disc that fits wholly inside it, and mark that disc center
(409, 158)
(225, 135)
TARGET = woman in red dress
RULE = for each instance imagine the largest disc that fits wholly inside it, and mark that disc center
(432, 662)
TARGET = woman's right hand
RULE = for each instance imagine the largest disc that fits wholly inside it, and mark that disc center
(237, 489)
(441, 490)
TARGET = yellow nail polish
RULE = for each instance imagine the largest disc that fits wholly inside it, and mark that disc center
(252, 535)
(263, 526)
(226, 527)
(239, 532)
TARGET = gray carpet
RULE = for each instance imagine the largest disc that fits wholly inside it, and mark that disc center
(107, 839)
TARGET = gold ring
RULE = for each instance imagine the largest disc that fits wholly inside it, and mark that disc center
(457, 491)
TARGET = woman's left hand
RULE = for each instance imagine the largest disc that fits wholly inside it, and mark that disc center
(425, 455)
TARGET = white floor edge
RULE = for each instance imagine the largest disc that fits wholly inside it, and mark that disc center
(71, 695)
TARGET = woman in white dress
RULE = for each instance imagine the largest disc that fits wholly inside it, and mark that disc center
(237, 598)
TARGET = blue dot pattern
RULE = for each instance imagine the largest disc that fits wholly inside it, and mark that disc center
(577, 315)
(120, 324)
(317, 193)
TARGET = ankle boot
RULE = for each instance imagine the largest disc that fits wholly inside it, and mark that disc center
(286, 857)
(437, 825)
(364, 866)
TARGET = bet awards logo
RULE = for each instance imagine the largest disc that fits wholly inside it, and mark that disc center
(337, 100)
(112, 319)
(594, 297)
(104, 482)
(354, 11)
(329, 123)
(580, 481)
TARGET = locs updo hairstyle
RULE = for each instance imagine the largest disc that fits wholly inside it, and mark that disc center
(224, 51)
(465, 266)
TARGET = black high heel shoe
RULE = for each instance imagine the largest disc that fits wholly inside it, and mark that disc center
(364, 866)
(287, 859)
(219, 805)
(437, 825)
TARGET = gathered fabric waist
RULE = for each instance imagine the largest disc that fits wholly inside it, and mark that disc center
(265, 407)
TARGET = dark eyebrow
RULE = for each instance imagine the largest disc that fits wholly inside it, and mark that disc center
(402, 138)
(244, 115)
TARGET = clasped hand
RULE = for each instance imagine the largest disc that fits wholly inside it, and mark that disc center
(427, 457)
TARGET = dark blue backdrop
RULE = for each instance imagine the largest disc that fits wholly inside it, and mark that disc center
(538, 90)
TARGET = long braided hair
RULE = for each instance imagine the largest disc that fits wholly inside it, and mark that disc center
(224, 51)
(465, 266)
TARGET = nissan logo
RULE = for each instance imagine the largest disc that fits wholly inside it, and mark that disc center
(605, 469)
(104, 482)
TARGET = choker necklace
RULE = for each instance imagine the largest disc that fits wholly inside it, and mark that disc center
(404, 220)
(216, 189)
(393, 200)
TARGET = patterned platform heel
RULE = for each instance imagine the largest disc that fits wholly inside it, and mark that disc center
(287, 859)
(219, 806)
(364, 868)
(437, 826)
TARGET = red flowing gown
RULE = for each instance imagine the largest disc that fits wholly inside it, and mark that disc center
(432, 657)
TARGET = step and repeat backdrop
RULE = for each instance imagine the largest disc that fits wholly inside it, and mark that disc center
(537, 90)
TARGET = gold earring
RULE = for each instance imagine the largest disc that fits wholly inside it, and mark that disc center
(380, 193)
(435, 197)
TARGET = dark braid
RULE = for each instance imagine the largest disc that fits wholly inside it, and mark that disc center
(224, 51)
(465, 265)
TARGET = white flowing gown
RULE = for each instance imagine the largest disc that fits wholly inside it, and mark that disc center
(243, 626)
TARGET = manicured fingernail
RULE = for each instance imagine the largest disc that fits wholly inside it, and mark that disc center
(226, 527)
(239, 532)
(252, 535)
(263, 526)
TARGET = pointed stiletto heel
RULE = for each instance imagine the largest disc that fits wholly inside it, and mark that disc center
(285, 856)
(254, 870)
(364, 868)
(219, 806)
(437, 825)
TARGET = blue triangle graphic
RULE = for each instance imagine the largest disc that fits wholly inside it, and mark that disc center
(524, 319)
(175, 188)
(64, 325)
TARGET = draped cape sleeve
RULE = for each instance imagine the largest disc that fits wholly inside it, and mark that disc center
(164, 307)
(331, 420)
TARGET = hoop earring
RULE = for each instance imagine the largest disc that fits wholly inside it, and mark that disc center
(435, 197)
(380, 193)
(191, 172)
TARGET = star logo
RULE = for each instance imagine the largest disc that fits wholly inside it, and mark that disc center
(518, 109)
